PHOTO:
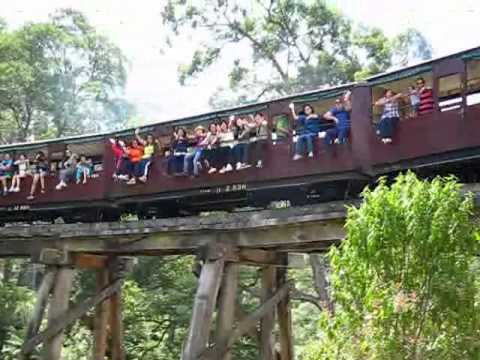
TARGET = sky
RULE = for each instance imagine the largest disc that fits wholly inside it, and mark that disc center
(136, 27)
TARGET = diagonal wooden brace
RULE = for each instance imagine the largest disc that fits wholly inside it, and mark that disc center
(218, 351)
(70, 316)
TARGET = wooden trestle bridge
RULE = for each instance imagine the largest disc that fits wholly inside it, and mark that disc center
(222, 243)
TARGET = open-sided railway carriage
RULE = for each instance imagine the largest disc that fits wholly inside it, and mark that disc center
(446, 140)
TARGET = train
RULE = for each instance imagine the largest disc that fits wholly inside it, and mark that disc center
(444, 141)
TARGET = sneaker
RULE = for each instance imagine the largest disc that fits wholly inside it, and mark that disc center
(310, 154)
(5, 192)
(132, 181)
(12, 189)
(17, 189)
(228, 168)
(259, 164)
(123, 177)
(30, 197)
(222, 170)
(297, 157)
(143, 179)
(59, 186)
(238, 166)
(212, 170)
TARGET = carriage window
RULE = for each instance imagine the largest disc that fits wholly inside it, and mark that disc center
(281, 126)
(473, 82)
(450, 92)
(406, 86)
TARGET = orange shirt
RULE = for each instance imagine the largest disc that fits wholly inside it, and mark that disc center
(135, 153)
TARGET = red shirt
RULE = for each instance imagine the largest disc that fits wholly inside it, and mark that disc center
(426, 101)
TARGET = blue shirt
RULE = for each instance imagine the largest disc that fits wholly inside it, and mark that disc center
(7, 164)
(343, 117)
(310, 125)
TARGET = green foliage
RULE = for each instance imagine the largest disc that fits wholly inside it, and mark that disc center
(405, 279)
(286, 46)
(17, 304)
(59, 78)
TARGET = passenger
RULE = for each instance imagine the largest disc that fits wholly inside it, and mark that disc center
(225, 146)
(83, 170)
(414, 101)
(6, 172)
(260, 141)
(340, 114)
(192, 159)
(426, 97)
(148, 152)
(135, 153)
(39, 171)
(21, 166)
(390, 115)
(308, 128)
(210, 144)
(68, 171)
(179, 150)
(241, 131)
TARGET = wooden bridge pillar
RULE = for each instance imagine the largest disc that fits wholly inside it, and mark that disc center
(58, 281)
(219, 279)
(204, 305)
(227, 304)
(268, 321)
(52, 347)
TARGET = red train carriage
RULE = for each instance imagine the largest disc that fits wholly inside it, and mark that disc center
(443, 140)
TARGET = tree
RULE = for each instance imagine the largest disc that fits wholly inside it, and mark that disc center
(55, 76)
(284, 46)
(405, 278)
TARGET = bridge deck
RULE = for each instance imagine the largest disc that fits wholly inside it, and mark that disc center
(298, 229)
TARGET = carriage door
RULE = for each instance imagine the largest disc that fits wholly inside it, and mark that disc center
(449, 86)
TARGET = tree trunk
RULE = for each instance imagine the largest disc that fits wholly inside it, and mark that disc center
(320, 270)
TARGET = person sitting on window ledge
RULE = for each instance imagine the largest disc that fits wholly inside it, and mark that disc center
(39, 171)
(148, 152)
(21, 168)
(191, 162)
(68, 169)
(6, 172)
(340, 114)
(308, 126)
(135, 154)
(390, 115)
(179, 150)
(83, 170)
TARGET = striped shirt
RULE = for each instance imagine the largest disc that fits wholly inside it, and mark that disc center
(426, 101)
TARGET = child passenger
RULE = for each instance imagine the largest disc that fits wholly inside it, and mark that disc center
(414, 101)
(21, 167)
